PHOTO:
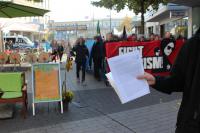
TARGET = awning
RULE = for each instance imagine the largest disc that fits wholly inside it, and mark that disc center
(25, 27)
(9, 9)
(164, 12)
(191, 3)
(158, 16)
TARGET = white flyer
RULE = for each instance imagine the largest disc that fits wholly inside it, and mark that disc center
(123, 77)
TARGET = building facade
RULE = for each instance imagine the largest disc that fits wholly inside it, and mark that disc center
(87, 29)
(193, 14)
(39, 22)
(170, 17)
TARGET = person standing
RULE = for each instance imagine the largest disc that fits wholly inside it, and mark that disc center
(142, 39)
(97, 57)
(184, 77)
(152, 37)
(7, 47)
(157, 37)
(81, 54)
(60, 51)
(54, 50)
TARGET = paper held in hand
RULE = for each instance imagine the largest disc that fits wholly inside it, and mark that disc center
(123, 76)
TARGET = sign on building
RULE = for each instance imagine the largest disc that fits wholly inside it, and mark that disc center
(177, 14)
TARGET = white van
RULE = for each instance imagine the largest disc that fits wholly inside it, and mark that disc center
(19, 42)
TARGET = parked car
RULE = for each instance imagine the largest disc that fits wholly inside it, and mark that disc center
(19, 42)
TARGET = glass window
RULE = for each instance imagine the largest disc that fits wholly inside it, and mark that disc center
(20, 40)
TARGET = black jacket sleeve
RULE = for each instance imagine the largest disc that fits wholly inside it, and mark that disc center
(87, 52)
(92, 55)
(73, 50)
(175, 82)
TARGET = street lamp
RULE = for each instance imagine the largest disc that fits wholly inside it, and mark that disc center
(68, 32)
(76, 30)
(110, 22)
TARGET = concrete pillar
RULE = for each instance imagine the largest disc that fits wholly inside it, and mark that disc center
(190, 23)
(1, 41)
(21, 33)
(32, 37)
(193, 20)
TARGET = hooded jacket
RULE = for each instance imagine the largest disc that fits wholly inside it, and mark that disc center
(185, 77)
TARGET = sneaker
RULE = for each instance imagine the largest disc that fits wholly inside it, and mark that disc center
(107, 83)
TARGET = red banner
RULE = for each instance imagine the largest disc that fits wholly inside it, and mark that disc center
(157, 59)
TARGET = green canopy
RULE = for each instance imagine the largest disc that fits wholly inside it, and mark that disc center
(9, 9)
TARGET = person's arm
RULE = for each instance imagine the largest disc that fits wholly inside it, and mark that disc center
(91, 55)
(173, 83)
(87, 52)
(104, 49)
(62, 49)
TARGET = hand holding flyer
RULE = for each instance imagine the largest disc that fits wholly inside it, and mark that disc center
(123, 76)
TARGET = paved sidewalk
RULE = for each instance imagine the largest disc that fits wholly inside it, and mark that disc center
(159, 118)
(97, 109)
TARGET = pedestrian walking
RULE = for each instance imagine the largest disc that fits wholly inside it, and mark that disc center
(60, 51)
(97, 57)
(184, 78)
(81, 54)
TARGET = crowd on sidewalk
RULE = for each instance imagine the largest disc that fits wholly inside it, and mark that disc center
(97, 56)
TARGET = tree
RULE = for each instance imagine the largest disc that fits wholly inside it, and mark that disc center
(137, 6)
(127, 22)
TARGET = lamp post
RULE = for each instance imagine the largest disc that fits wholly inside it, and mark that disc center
(76, 30)
(93, 29)
(68, 32)
(110, 22)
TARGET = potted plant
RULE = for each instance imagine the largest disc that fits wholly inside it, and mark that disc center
(67, 95)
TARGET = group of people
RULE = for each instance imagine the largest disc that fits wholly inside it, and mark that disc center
(82, 55)
(97, 56)
(57, 50)
(184, 77)
(142, 38)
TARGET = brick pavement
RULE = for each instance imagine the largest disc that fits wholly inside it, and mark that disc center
(101, 112)
(159, 118)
